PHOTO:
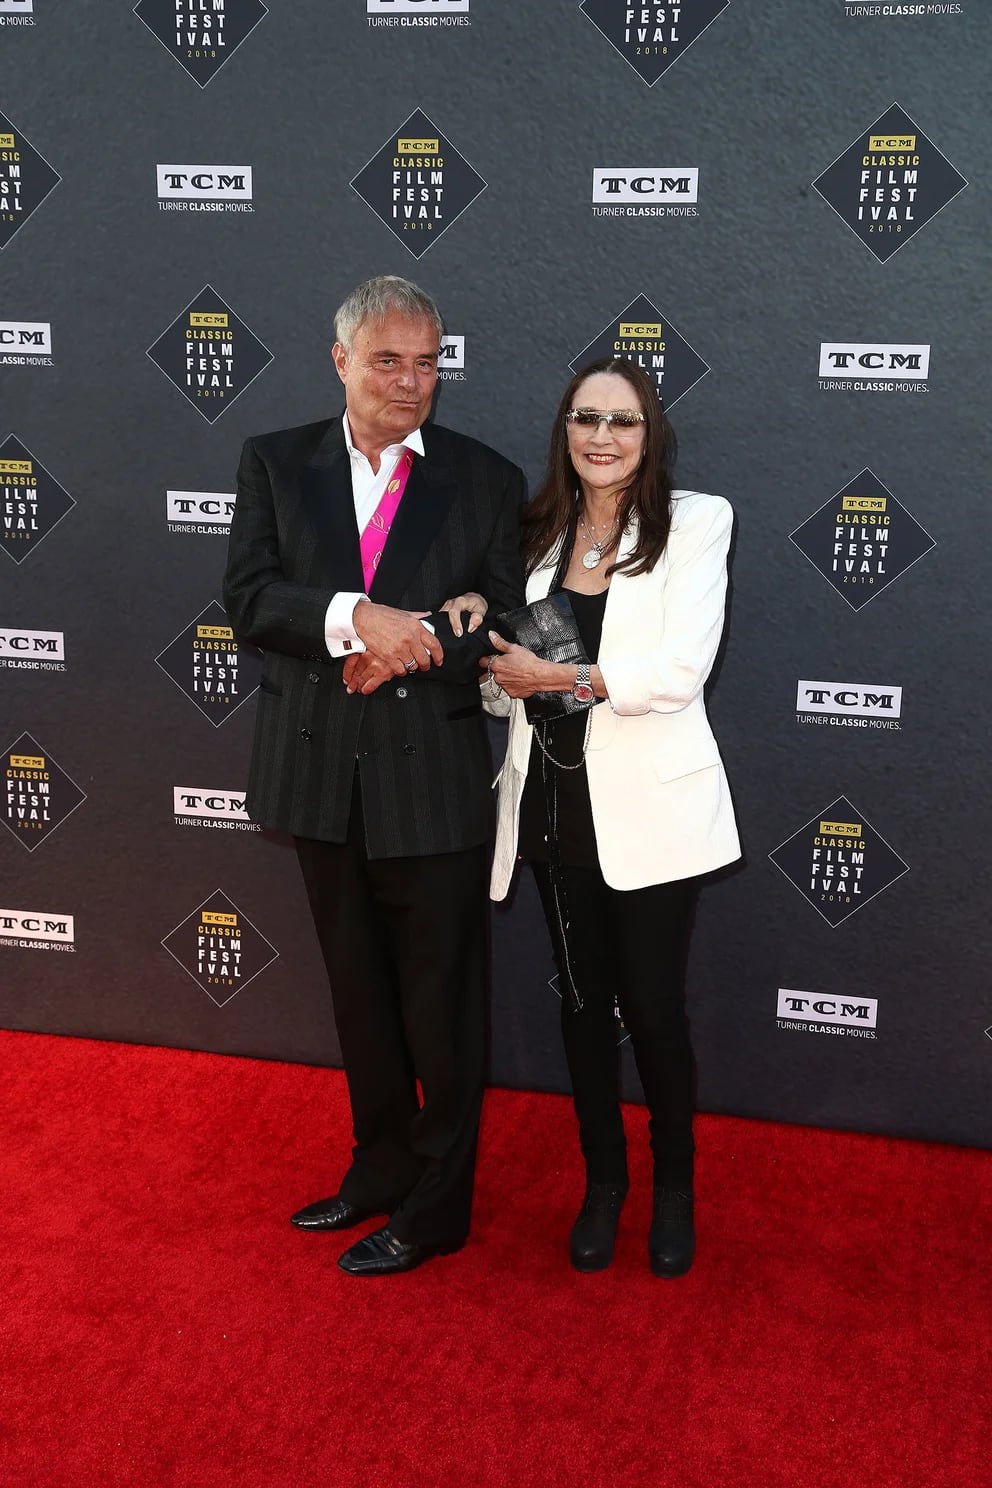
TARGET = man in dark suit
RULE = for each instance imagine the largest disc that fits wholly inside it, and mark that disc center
(370, 748)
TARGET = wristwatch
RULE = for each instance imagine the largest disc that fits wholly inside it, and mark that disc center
(582, 691)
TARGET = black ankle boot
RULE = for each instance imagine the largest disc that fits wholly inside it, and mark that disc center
(672, 1240)
(590, 1244)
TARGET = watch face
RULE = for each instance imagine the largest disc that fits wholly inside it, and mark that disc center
(582, 692)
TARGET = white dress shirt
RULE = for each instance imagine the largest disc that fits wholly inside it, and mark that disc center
(367, 488)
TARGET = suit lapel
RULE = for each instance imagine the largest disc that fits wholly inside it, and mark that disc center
(326, 493)
(618, 592)
(430, 489)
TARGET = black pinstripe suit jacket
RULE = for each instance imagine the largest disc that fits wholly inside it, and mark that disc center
(420, 741)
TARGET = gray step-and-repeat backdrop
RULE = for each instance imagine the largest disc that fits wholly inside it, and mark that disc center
(780, 208)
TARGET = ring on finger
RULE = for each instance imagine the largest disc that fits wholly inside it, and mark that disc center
(410, 665)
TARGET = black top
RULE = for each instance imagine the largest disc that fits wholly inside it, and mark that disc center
(550, 790)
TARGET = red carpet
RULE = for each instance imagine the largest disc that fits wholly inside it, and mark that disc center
(163, 1324)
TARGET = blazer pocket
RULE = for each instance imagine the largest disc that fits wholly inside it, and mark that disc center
(687, 763)
(269, 690)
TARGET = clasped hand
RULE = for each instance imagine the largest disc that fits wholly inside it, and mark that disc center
(395, 639)
(395, 643)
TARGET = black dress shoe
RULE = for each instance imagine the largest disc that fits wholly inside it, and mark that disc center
(382, 1254)
(590, 1245)
(672, 1239)
(332, 1214)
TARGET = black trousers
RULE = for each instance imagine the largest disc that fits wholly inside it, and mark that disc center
(405, 944)
(627, 947)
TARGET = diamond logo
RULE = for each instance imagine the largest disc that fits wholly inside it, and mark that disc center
(418, 184)
(26, 178)
(838, 862)
(209, 354)
(201, 34)
(862, 539)
(210, 667)
(652, 37)
(219, 947)
(889, 183)
(38, 794)
(645, 336)
(31, 501)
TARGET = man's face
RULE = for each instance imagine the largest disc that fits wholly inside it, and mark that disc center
(389, 374)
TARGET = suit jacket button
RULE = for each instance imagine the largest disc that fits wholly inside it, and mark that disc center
(305, 735)
(314, 676)
(409, 748)
(401, 692)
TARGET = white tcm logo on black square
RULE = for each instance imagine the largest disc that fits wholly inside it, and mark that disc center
(418, 184)
(889, 183)
(862, 539)
(838, 861)
(209, 354)
(652, 37)
(219, 947)
(37, 793)
(26, 178)
(210, 667)
(645, 336)
(31, 501)
(201, 34)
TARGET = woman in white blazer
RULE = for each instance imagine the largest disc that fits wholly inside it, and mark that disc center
(622, 807)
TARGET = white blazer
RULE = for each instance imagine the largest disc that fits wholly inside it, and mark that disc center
(661, 806)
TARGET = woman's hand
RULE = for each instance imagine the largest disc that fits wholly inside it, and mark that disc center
(470, 604)
(520, 673)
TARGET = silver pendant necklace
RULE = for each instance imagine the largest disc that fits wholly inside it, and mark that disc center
(593, 557)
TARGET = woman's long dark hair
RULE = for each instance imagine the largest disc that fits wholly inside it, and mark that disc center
(647, 500)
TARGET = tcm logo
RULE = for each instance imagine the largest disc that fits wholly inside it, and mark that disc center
(33, 925)
(845, 359)
(29, 337)
(218, 805)
(16, 7)
(645, 184)
(452, 354)
(806, 1007)
(873, 700)
(417, 7)
(204, 182)
(900, 142)
(212, 508)
(47, 644)
(649, 330)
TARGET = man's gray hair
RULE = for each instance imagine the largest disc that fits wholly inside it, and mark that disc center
(385, 295)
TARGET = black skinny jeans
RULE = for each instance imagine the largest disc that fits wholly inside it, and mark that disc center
(627, 946)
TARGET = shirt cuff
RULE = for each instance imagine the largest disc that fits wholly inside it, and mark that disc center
(340, 635)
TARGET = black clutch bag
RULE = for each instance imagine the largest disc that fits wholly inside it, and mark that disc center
(548, 628)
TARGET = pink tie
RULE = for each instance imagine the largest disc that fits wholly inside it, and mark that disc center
(373, 539)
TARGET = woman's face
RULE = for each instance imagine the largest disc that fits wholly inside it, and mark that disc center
(605, 457)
